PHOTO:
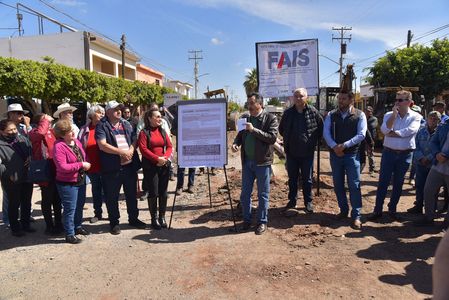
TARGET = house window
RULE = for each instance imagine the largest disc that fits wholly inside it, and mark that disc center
(157, 82)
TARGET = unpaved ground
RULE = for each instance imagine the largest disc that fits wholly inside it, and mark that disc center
(300, 257)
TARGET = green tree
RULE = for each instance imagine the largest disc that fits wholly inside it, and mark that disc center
(234, 106)
(274, 101)
(421, 66)
(250, 82)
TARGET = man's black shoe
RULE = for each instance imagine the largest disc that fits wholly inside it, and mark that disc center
(290, 205)
(309, 208)
(395, 217)
(260, 229)
(138, 224)
(374, 216)
(415, 210)
(82, 231)
(115, 230)
(71, 239)
(423, 222)
(245, 226)
(342, 216)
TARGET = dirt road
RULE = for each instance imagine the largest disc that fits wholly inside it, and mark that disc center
(300, 257)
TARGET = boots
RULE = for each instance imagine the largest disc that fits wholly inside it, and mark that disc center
(152, 205)
(162, 209)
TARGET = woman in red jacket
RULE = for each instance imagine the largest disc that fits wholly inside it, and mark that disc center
(156, 148)
(71, 167)
(42, 140)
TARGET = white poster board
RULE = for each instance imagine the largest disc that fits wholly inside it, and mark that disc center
(202, 138)
(170, 99)
(287, 65)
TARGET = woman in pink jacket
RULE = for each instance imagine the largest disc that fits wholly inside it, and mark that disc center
(71, 167)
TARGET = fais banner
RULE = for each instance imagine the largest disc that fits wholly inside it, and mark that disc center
(284, 66)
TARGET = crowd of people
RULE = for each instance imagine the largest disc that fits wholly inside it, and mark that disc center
(62, 159)
(349, 133)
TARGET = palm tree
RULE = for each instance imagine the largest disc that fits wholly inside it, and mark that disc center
(250, 83)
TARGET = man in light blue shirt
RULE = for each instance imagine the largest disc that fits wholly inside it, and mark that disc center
(344, 130)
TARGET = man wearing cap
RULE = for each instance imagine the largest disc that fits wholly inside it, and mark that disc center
(399, 127)
(372, 124)
(440, 106)
(344, 130)
(17, 114)
(65, 112)
(119, 164)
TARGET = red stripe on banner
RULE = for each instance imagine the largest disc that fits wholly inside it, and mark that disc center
(281, 61)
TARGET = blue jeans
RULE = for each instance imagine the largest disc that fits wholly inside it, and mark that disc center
(180, 176)
(348, 165)
(5, 207)
(421, 176)
(72, 198)
(295, 167)
(396, 165)
(97, 193)
(250, 172)
(112, 182)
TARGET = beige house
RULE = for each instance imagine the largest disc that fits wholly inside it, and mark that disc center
(182, 88)
(149, 75)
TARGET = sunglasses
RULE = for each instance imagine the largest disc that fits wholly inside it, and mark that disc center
(401, 100)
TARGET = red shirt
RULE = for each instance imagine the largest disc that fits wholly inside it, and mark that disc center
(156, 148)
(93, 152)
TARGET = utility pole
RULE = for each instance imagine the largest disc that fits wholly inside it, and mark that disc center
(196, 56)
(409, 38)
(19, 20)
(342, 40)
(122, 47)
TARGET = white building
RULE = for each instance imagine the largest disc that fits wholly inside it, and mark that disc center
(182, 88)
(80, 49)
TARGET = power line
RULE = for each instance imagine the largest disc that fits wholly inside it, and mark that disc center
(196, 57)
(342, 40)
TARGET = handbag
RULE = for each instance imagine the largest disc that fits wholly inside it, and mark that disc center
(39, 170)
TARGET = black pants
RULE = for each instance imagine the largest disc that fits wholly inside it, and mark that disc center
(50, 197)
(156, 179)
(19, 196)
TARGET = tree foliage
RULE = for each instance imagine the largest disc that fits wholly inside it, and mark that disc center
(274, 101)
(53, 82)
(250, 82)
(421, 66)
(234, 106)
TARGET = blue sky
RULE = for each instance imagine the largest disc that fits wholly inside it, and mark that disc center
(163, 31)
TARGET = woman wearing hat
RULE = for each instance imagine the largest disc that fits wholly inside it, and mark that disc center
(65, 112)
(15, 155)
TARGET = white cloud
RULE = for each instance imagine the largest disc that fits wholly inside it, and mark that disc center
(69, 2)
(216, 41)
(247, 70)
(307, 15)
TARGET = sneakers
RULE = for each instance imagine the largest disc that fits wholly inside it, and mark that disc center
(138, 224)
(178, 191)
(309, 208)
(260, 229)
(357, 224)
(115, 230)
(71, 239)
(82, 231)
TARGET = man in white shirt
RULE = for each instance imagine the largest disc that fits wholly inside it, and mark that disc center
(399, 128)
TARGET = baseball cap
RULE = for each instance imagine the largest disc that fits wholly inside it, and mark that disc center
(113, 104)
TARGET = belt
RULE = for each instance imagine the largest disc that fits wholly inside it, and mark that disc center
(406, 151)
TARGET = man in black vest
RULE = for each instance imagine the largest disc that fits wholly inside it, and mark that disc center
(344, 130)
(301, 127)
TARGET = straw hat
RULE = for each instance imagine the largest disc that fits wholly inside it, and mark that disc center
(63, 107)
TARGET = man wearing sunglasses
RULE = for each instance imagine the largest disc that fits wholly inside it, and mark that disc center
(399, 128)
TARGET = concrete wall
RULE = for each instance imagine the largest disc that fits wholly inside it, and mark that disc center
(66, 48)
